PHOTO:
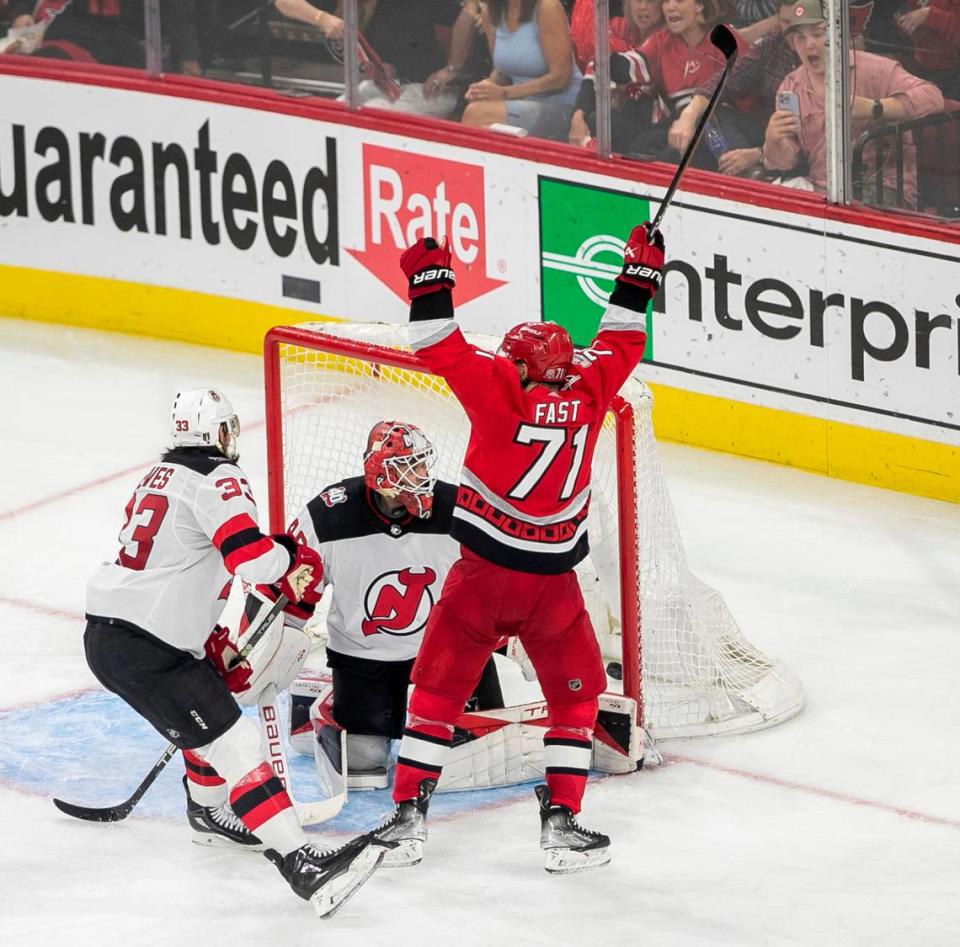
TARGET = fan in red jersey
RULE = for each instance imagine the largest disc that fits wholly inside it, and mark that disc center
(535, 413)
(191, 525)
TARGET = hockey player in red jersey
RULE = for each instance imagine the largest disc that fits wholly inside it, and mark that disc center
(535, 411)
(191, 525)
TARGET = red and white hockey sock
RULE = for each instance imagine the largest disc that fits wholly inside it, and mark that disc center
(205, 785)
(426, 740)
(567, 754)
(256, 795)
(568, 750)
(259, 800)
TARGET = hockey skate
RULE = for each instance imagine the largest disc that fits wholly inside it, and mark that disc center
(328, 879)
(567, 846)
(218, 825)
(407, 828)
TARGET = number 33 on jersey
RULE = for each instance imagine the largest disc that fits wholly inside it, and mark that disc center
(190, 525)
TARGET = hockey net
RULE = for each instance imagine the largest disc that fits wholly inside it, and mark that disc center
(682, 654)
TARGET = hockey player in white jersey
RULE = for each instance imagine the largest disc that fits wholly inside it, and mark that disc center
(191, 525)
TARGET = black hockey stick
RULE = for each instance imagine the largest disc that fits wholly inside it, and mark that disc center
(726, 42)
(119, 812)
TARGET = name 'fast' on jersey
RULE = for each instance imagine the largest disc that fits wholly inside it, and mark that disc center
(525, 505)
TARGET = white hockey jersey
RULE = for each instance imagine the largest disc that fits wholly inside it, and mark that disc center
(191, 525)
(386, 574)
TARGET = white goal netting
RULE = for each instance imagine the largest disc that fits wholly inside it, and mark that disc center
(682, 651)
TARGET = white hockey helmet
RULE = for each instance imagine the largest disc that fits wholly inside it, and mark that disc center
(204, 417)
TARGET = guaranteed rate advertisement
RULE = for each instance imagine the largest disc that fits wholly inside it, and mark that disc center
(772, 310)
(170, 192)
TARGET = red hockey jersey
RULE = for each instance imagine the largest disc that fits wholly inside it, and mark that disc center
(524, 489)
(667, 67)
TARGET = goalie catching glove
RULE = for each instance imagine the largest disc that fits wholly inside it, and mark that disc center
(427, 266)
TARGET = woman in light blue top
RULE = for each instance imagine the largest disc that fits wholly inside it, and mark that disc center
(535, 79)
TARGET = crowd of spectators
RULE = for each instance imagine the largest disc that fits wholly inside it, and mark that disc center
(527, 67)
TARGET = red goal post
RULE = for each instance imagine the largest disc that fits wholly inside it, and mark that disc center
(327, 383)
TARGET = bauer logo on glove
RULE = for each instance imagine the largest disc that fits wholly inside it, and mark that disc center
(427, 266)
(436, 275)
(643, 274)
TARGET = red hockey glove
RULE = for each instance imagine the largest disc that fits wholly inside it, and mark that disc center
(222, 652)
(305, 574)
(426, 265)
(643, 259)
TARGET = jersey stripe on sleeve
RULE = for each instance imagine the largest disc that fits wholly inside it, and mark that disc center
(240, 540)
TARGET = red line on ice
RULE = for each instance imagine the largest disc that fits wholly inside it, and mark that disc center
(833, 794)
(83, 487)
(73, 491)
(41, 609)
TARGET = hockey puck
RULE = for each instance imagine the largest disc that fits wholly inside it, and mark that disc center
(615, 670)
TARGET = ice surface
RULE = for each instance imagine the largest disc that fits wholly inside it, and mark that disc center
(840, 827)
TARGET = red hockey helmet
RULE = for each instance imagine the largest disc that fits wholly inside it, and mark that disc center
(399, 462)
(544, 347)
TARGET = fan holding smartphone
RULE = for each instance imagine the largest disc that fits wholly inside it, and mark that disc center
(788, 101)
(882, 92)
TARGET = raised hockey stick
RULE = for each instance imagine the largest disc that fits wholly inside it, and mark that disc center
(119, 812)
(726, 42)
(310, 813)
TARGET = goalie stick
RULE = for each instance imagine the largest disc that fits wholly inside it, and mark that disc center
(726, 42)
(119, 812)
(310, 813)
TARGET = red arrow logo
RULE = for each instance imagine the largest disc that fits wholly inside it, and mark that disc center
(409, 196)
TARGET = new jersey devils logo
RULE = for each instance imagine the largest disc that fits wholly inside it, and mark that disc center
(398, 603)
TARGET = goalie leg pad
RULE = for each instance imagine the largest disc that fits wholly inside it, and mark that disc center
(620, 745)
(305, 690)
(500, 747)
(277, 657)
(367, 761)
(257, 796)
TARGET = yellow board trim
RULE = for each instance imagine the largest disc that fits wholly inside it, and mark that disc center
(96, 302)
(844, 451)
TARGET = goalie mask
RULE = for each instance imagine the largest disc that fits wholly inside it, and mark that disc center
(204, 417)
(399, 462)
(544, 347)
